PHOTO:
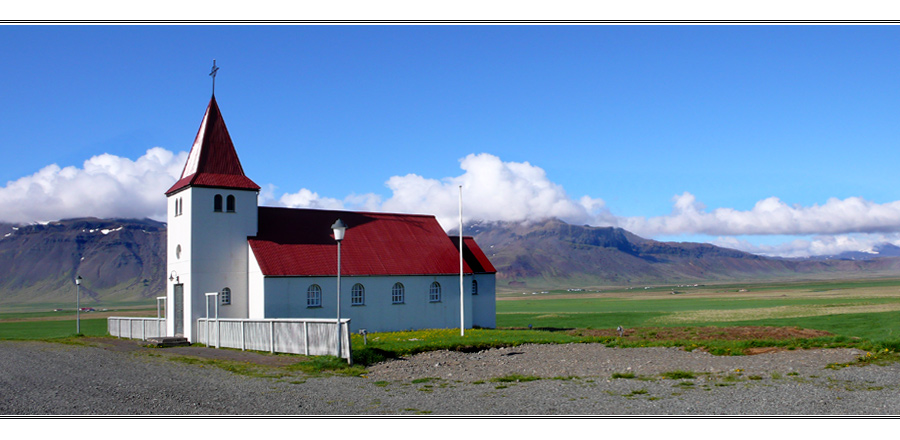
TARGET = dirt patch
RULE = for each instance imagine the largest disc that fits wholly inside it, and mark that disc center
(707, 333)
(224, 354)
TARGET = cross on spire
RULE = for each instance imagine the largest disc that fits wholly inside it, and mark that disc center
(213, 75)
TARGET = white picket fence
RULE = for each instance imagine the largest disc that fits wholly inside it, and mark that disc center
(136, 328)
(313, 337)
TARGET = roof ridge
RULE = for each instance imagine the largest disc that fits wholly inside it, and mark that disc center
(349, 211)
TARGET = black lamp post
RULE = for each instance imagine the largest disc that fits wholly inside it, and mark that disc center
(78, 304)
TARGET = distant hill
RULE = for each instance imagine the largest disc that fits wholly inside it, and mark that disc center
(119, 260)
(880, 251)
(553, 253)
(124, 260)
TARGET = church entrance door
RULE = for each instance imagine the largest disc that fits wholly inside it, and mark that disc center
(179, 309)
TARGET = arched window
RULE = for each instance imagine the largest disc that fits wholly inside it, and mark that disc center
(358, 295)
(217, 203)
(314, 296)
(179, 206)
(474, 287)
(229, 203)
(398, 294)
(434, 292)
(225, 297)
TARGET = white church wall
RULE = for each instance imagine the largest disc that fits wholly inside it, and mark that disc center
(256, 288)
(214, 251)
(286, 297)
(484, 305)
(178, 253)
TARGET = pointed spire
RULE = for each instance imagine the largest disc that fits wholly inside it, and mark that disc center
(213, 161)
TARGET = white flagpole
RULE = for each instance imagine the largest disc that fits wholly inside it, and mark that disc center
(462, 313)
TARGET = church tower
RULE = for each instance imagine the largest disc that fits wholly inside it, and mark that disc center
(212, 209)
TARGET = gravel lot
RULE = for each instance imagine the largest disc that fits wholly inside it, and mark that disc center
(39, 378)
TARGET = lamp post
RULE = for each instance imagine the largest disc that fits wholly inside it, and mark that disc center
(78, 304)
(339, 228)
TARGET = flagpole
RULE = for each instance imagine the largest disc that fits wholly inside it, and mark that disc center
(462, 313)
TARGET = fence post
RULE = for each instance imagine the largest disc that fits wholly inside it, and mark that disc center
(306, 338)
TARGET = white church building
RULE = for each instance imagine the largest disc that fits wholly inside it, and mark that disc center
(398, 271)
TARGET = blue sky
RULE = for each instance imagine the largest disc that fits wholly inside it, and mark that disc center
(772, 139)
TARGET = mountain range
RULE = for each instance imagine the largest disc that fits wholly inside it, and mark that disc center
(119, 259)
(124, 259)
(553, 253)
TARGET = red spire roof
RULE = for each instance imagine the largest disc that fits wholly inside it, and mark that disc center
(213, 162)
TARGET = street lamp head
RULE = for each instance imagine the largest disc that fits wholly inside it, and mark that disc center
(339, 227)
(78, 280)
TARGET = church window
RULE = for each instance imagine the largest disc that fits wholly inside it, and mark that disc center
(229, 203)
(398, 294)
(225, 297)
(314, 296)
(358, 295)
(178, 252)
(474, 287)
(434, 292)
(180, 206)
(217, 203)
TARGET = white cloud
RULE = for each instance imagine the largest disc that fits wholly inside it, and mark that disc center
(493, 190)
(817, 245)
(105, 186)
(770, 216)
(308, 199)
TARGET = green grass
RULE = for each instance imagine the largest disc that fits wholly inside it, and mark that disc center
(679, 374)
(515, 378)
(51, 329)
(382, 346)
(835, 303)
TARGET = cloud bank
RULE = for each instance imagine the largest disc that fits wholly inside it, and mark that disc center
(771, 216)
(105, 186)
(493, 190)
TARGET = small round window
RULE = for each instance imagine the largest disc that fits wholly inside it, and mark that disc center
(178, 252)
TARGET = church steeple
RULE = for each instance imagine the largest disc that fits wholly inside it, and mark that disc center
(213, 161)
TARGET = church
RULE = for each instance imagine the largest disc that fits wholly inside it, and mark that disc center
(397, 271)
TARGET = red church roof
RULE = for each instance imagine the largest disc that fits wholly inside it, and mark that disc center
(473, 256)
(213, 162)
(299, 242)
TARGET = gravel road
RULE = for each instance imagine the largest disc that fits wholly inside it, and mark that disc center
(39, 378)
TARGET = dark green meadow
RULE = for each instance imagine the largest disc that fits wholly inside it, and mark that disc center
(51, 329)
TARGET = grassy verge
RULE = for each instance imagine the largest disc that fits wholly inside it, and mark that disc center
(382, 346)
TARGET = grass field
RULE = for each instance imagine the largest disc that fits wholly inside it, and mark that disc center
(867, 309)
(51, 329)
(863, 314)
